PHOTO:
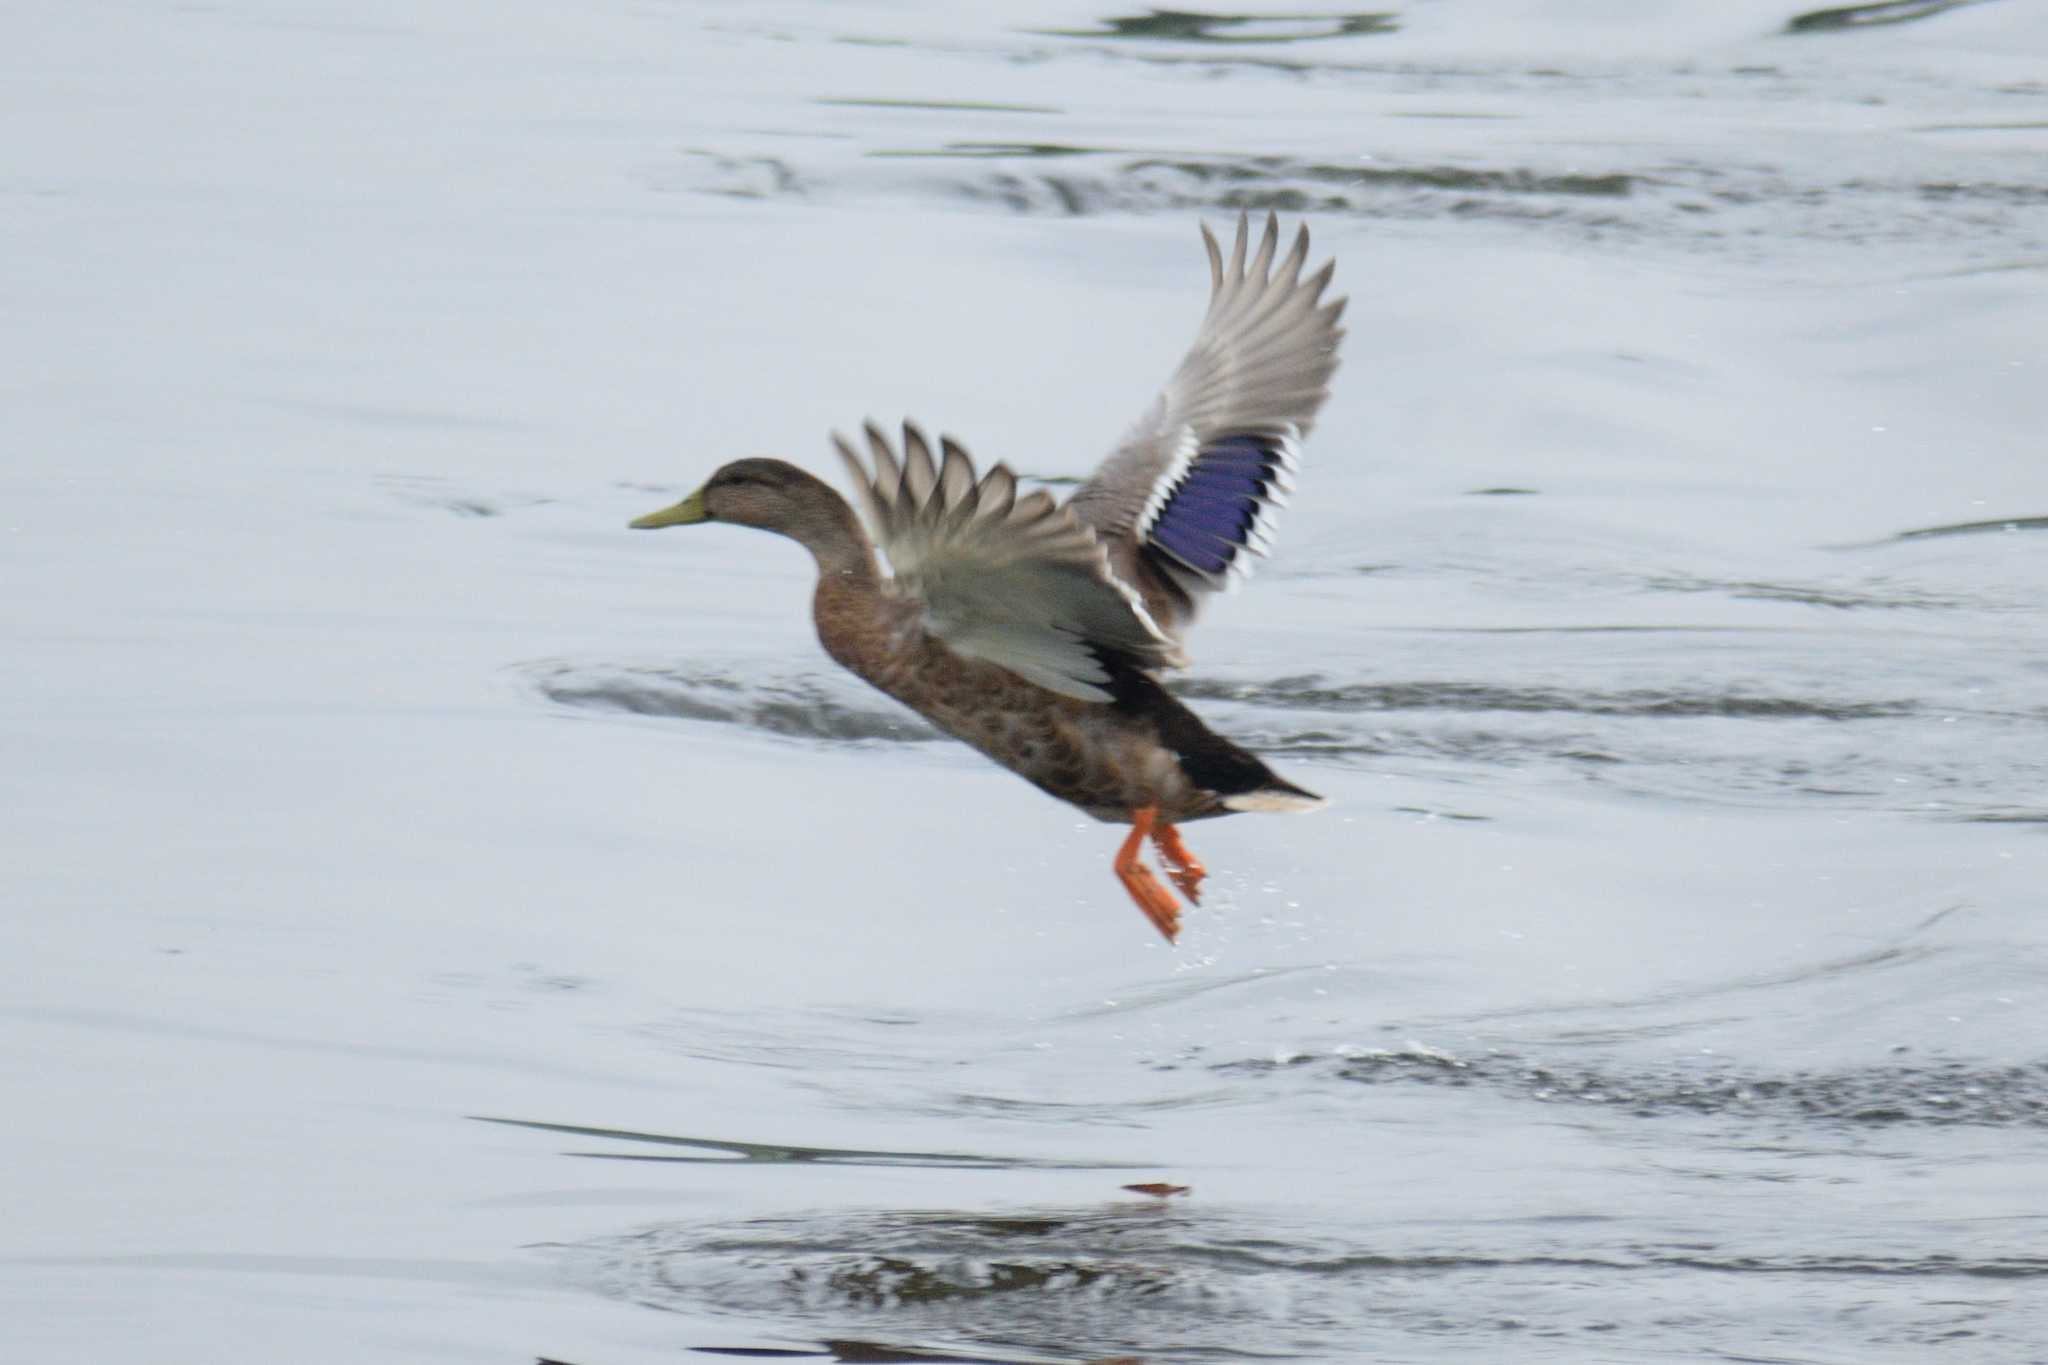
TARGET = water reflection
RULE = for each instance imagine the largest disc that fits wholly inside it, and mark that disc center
(1189, 26)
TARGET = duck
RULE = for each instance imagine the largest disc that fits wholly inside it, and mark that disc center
(1037, 631)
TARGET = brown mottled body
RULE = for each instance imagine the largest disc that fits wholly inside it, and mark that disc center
(1103, 759)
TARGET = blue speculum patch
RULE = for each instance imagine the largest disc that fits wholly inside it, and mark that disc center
(1208, 519)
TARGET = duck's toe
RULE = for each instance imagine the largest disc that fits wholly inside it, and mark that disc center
(1184, 867)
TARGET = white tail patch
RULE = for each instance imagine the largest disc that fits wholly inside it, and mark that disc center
(1275, 801)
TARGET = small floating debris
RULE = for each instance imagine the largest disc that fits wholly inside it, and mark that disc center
(1159, 1189)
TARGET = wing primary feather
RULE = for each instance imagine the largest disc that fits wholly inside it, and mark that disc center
(863, 484)
(1215, 260)
(1262, 265)
(1034, 506)
(888, 474)
(956, 477)
(903, 502)
(1296, 258)
(920, 478)
(998, 495)
(1320, 281)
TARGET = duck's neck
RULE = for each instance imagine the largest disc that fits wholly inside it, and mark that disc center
(848, 606)
(818, 519)
(860, 623)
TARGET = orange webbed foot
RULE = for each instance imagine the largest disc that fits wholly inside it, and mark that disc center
(1184, 867)
(1153, 899)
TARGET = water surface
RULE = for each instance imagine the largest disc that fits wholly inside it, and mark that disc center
(1662, 611)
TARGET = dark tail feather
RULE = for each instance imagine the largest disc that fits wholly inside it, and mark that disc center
(1212, 762)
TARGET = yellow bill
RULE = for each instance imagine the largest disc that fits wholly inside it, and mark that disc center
(688, 512)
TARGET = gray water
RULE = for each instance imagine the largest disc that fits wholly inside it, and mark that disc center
(1662, 610)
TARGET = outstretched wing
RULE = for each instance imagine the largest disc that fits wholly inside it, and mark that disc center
(1185, 501)
(1018, 581)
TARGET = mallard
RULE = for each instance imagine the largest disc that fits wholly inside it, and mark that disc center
(1035, 631)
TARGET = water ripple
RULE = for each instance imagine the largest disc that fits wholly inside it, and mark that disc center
(1192, 1283)
(1312, 692)
(801, 707)
(1933, 1093)
(1703, 740)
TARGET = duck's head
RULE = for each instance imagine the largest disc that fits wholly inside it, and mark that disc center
(770, 494)
(774, 496)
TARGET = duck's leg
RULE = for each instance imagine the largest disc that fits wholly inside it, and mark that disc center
(1152, 897)
(1184, 867)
